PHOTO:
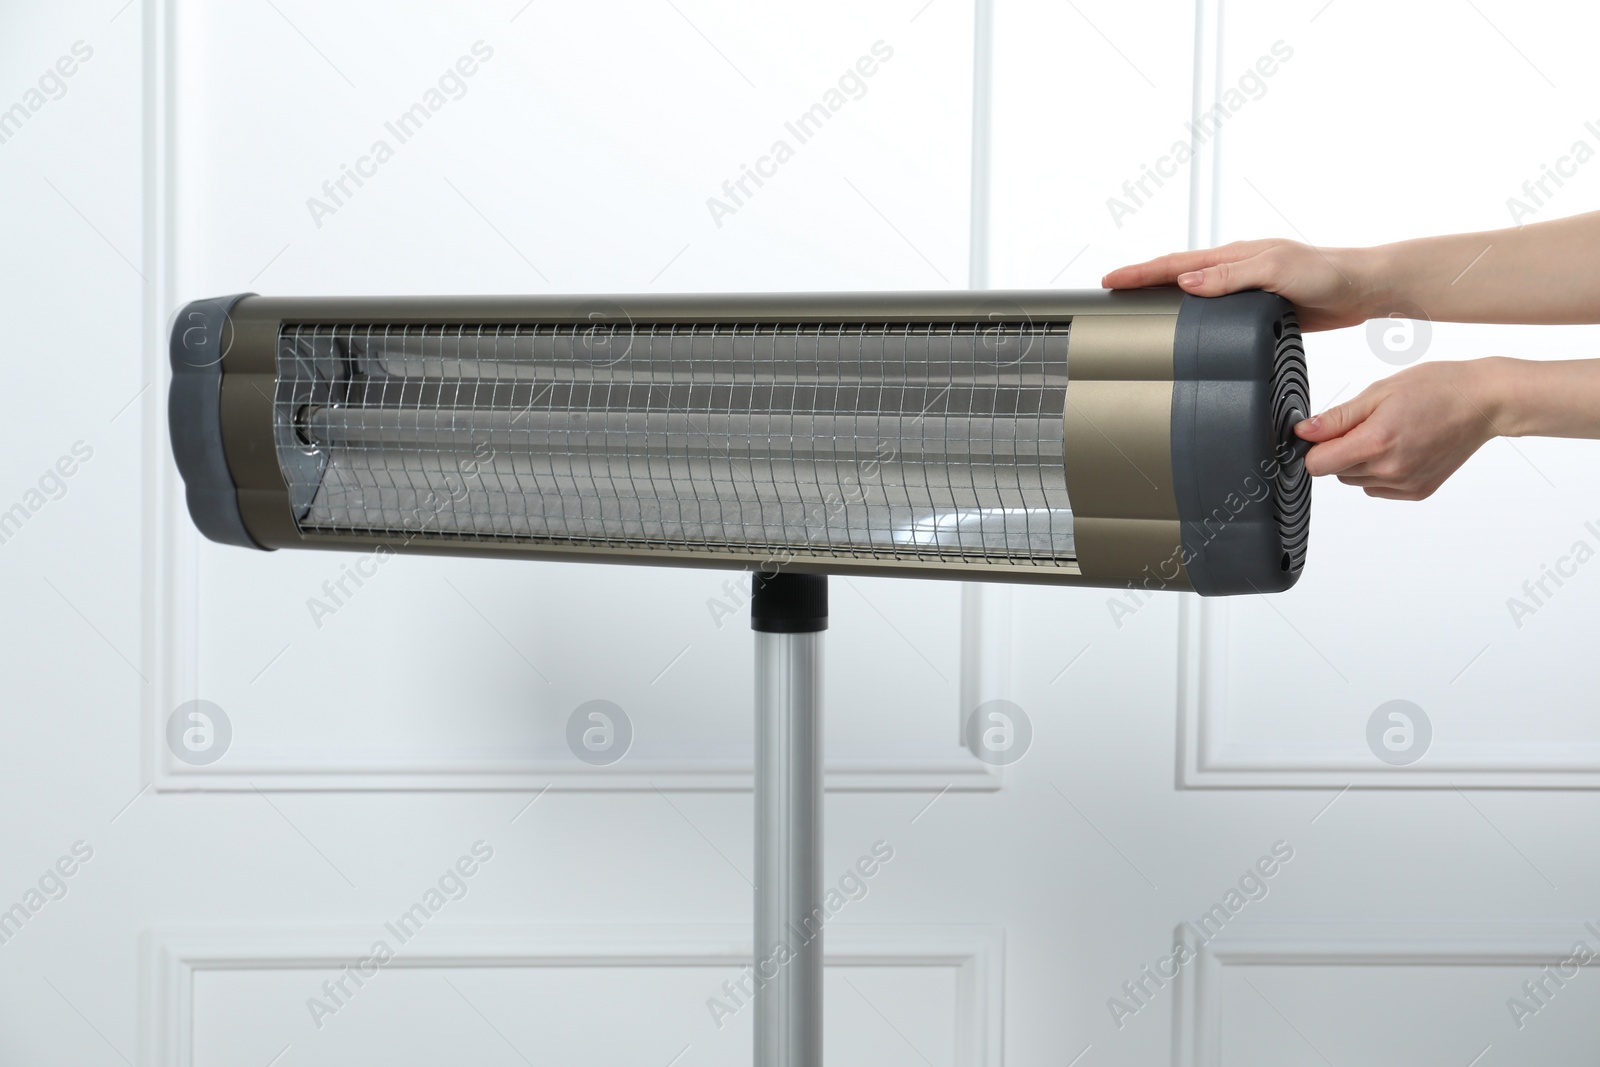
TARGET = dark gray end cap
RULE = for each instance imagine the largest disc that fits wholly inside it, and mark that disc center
(201, 336)
(1242, 492)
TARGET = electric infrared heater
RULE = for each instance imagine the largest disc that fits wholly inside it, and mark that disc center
(1136, 439)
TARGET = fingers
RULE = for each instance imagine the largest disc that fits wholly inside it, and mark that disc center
(1346, 454)
(1339, 446)
(1387, 493)
(1339, 419)
(1388, 488)
(1261, 271)
(1164, 270)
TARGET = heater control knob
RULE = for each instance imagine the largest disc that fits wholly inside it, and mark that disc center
(1289, 441)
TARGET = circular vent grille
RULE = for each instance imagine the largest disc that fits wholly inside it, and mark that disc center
(1290, 395)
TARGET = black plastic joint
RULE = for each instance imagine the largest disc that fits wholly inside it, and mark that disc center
(785, 603)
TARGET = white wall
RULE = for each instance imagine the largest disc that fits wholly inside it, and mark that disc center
(1173, 746)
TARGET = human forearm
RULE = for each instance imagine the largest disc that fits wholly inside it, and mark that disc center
(1545, 272)
(1543, 398)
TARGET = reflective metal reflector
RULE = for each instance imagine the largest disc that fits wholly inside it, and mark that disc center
(940, 440)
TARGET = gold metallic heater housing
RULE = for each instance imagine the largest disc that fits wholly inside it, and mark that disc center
(1150, 431)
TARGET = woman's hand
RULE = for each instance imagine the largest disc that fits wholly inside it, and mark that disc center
(1330, 287)
(1403, 436)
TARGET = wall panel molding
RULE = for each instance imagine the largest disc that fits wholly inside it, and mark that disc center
(1198, 1010)
(172, 616)
(172, 957)
(1209, 757)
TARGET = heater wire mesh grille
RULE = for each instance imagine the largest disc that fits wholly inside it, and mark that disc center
(939, 440)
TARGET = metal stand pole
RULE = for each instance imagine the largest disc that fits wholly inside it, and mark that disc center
(788, 613)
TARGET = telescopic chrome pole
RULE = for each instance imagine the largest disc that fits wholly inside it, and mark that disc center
(789, 612)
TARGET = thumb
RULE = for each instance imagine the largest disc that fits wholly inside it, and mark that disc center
(1336, 421)
(1257, 272)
